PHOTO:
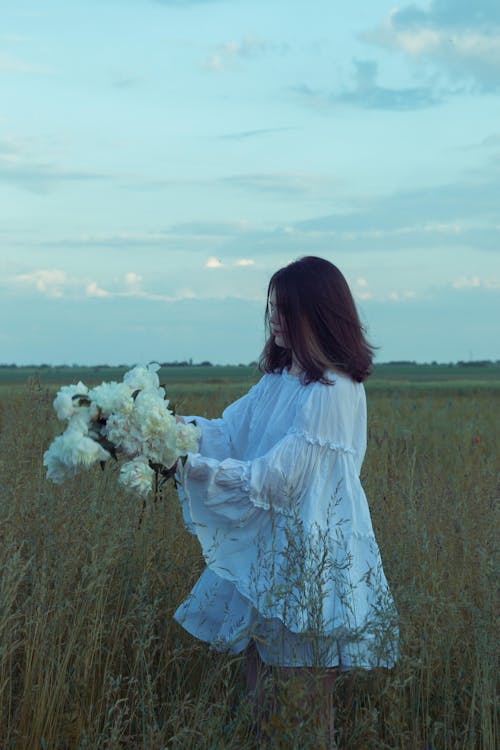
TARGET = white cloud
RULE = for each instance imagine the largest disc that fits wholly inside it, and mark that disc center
(467, 281)
(474, 282)
(361, 290)
(213, 263)
(229, 53)
(132, 292)
(467, 51)
(422, 41)
(132, 279)
(94, 290)
(48, 282)
(467, 46)
(401, 296)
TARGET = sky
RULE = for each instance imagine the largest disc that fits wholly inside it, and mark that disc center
(160, 159)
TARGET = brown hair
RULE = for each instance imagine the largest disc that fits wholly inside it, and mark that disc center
(320, 322)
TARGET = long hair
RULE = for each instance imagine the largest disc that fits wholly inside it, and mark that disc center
(320, 323)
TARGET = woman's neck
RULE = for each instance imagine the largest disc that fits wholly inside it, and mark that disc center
(295, 368)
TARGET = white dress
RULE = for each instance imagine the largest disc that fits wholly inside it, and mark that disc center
(275, 500)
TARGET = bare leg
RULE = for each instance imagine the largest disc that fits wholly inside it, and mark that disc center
(317, 691)
(252, 667)
(258, 684)
(315, 685)
(327, 716)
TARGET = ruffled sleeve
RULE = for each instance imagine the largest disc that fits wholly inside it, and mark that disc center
(235, 490)
(214, 440)
(221, 438)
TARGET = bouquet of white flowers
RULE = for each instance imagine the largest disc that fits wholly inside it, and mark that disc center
(130, 418)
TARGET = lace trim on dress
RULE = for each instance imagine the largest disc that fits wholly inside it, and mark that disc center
(229, 486)
(232, 481)
(258, 501)
(313, 440)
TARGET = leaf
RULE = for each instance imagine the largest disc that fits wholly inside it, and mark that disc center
(82, 398)
(107, 445)
(163, 473)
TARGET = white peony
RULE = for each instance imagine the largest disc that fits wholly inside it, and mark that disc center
(77, 448)
(57, 470)
(137, 476)
(151, 407)
(64, 404)
(188, 436)
(72, 451)
(142, 378)
(151, 416)
(166, 446)
(133, 416)
(118, 430)
(112, 397)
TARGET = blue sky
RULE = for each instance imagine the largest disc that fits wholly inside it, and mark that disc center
(159, 159)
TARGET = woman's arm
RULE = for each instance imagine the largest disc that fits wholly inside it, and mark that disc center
(221, 437)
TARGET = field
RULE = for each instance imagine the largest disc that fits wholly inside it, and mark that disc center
(90, 657)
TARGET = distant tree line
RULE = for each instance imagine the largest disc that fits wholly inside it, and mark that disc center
(174, 363)
(477, 363)
(460, 363)
(206, 363)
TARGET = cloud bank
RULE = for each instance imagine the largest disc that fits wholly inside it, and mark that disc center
(460, 38)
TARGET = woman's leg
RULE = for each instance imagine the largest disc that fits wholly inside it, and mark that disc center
(315, 686)
(263, 689)
(326, 711)
(258, 683)
(251, 667)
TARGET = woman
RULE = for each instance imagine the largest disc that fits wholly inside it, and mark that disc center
(293, 571)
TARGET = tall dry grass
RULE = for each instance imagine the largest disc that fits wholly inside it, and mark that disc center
(90, 657)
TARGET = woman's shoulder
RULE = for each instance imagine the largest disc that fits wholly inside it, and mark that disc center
(335, 386)
(336, 382)
(339, 394)
(267, 382)
(329, 410)
(332, 375)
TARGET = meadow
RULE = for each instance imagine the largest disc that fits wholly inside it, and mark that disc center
(91, 659)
